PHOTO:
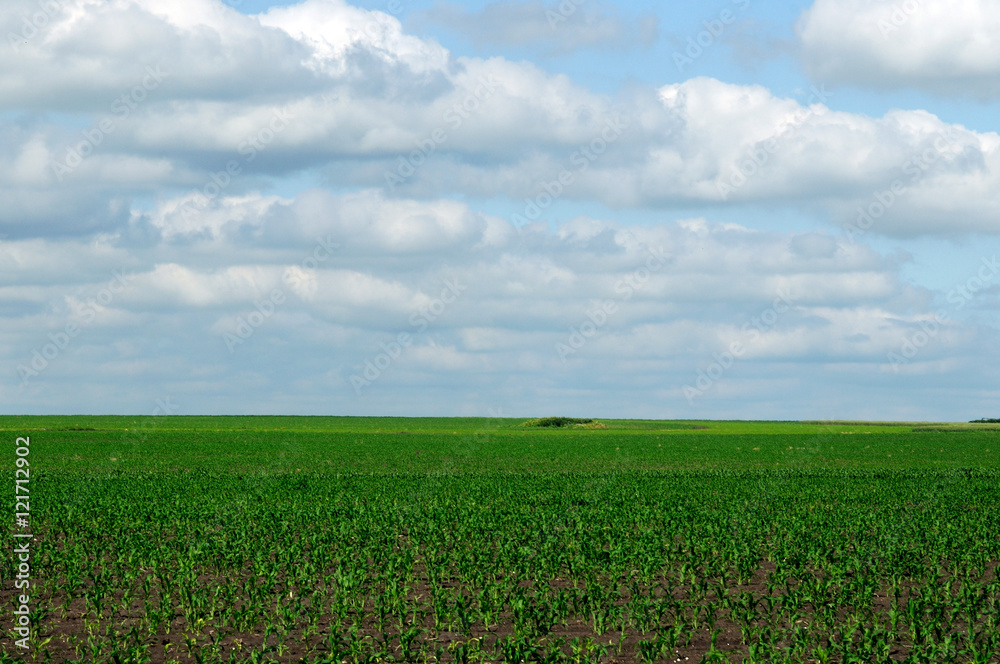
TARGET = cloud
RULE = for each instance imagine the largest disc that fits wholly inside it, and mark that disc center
(87, 54)
(555, 27)
(179, 105)
(944, 47)
(332, 30)
(315, 182)
(483, 305)
(704, 141)
(740, 143)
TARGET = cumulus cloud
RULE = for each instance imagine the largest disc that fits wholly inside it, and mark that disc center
(333, 30)
(740, 143)
(345, 93)
(479, 301)
(85, 55)
(936, 45)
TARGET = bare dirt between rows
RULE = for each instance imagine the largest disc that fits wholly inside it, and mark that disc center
(166, 647)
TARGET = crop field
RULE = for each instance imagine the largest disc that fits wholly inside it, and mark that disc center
(302, 539)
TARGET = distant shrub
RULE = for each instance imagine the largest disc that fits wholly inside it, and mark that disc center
(986, 421)
(556, 422)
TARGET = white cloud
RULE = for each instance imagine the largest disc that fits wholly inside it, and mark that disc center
(87, 54)
(938, 45)
(332, 28)
(346, 93)
(517, 295)
(740, 143)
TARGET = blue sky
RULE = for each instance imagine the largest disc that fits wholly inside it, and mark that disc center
(411, 207)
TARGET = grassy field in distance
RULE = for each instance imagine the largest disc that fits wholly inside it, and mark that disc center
(320, 444)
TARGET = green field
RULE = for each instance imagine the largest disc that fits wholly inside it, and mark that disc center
(421, 445)
(288, 539)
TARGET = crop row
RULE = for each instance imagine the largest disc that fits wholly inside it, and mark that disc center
(755, 567)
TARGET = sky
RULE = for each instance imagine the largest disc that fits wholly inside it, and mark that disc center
(729, 210)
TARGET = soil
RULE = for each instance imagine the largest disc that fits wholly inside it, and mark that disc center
(164, 647)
